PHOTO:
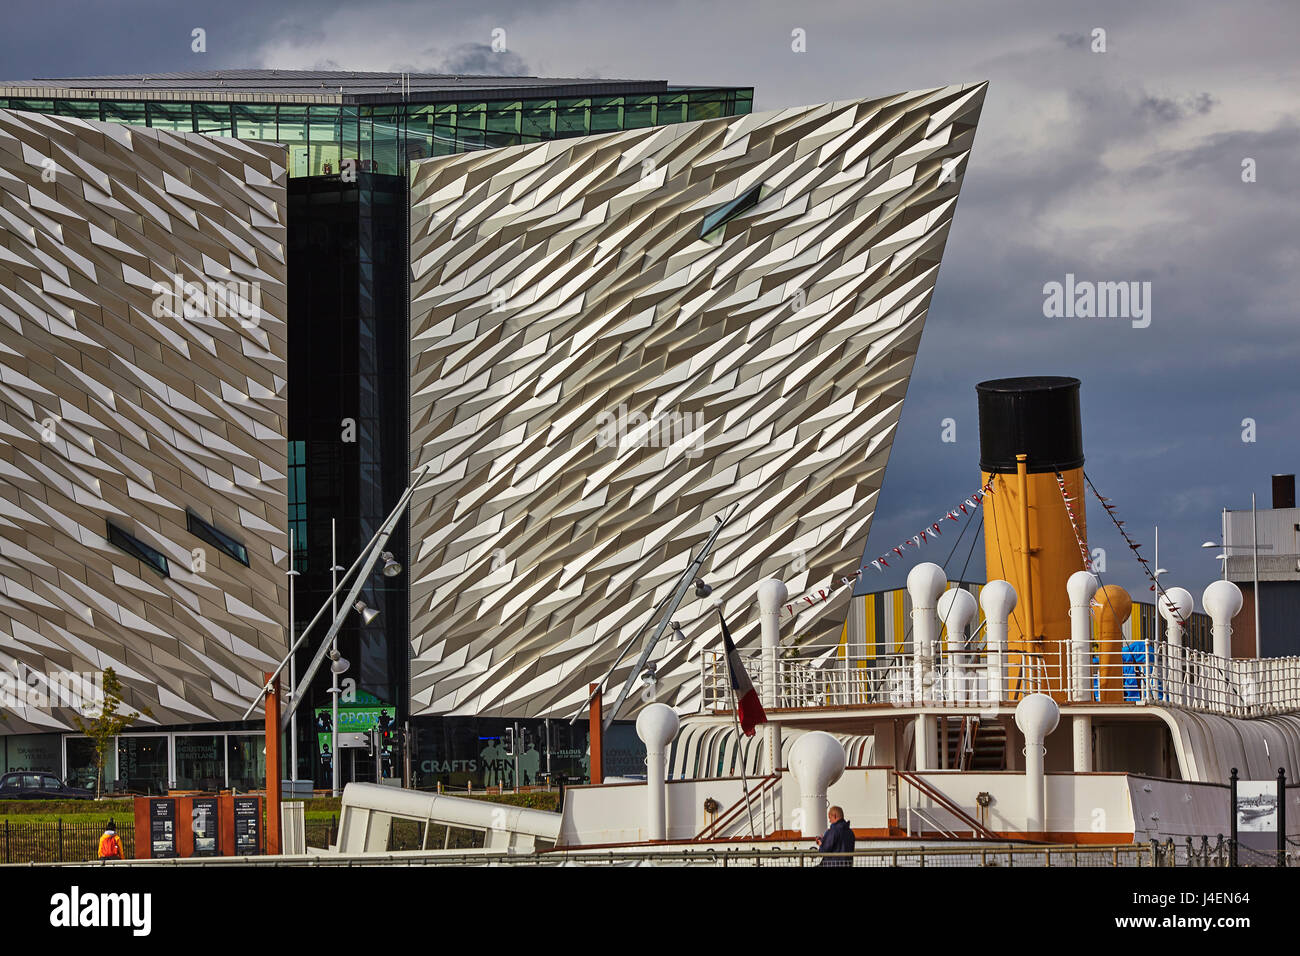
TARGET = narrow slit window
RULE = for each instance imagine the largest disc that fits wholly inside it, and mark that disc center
(218, 539)
(138, 549)
(729, 211)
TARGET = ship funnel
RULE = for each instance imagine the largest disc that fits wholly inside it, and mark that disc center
(1222, 600)
(1036, 716)
(1114, 608)
(1176, 607)
(772, 594)
(1081, 588)
(998, 599)
(656, 725)
(957, 607)
(817, 760)
(1031, 431)
(925, 583)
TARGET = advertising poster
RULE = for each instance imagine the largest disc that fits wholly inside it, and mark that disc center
(162, 828)
(204, 814)
(1256, 817)
(248, 826)
(361, 715)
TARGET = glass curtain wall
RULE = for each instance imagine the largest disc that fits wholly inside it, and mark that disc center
(386, 138)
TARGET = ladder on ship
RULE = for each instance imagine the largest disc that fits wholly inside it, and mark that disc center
(973, 744)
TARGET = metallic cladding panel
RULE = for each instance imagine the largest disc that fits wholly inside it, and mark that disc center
(112, 412)
(567, 315)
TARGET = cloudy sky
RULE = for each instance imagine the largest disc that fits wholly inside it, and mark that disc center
(1122, 165)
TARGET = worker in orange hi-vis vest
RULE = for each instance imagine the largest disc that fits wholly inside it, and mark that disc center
(110, 847)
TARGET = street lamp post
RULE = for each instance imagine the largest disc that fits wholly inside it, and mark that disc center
(1254, 547)
(277, 722)
(338, 667)
(293, 663)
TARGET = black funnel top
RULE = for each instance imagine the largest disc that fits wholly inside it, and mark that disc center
(1037, 416)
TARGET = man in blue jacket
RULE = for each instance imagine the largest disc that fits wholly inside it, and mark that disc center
(838, 838)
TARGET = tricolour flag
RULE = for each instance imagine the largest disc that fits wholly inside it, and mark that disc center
(749, 709)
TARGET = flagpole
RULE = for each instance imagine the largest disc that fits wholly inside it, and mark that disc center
(735, 717)
(744, 779)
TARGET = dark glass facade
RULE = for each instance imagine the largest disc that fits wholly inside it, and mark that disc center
(347, 410)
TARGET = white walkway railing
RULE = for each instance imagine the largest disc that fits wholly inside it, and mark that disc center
(1136, 672)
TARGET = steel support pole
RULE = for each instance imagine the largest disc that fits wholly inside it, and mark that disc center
(273, 732)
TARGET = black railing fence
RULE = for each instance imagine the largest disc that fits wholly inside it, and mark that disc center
(59, 842)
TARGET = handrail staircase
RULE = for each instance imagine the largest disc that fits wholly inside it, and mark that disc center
(738, 812)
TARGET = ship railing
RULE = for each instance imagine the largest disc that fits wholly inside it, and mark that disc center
(1155, 672)
(959, 675)
(816, 678)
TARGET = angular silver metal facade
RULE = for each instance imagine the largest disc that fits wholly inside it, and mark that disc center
(118, 409)
(596, 373)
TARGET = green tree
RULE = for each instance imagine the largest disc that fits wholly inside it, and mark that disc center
(107, 724)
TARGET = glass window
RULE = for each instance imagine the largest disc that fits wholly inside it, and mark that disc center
(672, 108)
(572, 117)
(200, 763)
(212, 119)
(730, 210)
(384, 141)
(51, 783)
(247, 761)
(639, 113)
(142, 764)
(292, 131)
(82, 109)
(34, 106)
(12, 782)
(215, 537)
(255, 122)
(118, 111)
(138, 549)
(325, 141)
(174, 117)
(537, 120)
(81, 764)
(705, 109)
(607, 115)
(38, 752)
(502, 118)
(298, 503)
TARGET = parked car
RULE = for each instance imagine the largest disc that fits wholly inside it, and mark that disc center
(26, 785)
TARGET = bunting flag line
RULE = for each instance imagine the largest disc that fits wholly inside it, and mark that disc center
(967, 506)
(1074, 523)
(1133, 546)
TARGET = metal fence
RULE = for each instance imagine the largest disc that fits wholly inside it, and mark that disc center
(1147, 672)
(60, 842)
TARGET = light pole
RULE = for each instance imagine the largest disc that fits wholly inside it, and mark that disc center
(293, 663)
(277, 721)
(338, 667)
(1254, 547)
